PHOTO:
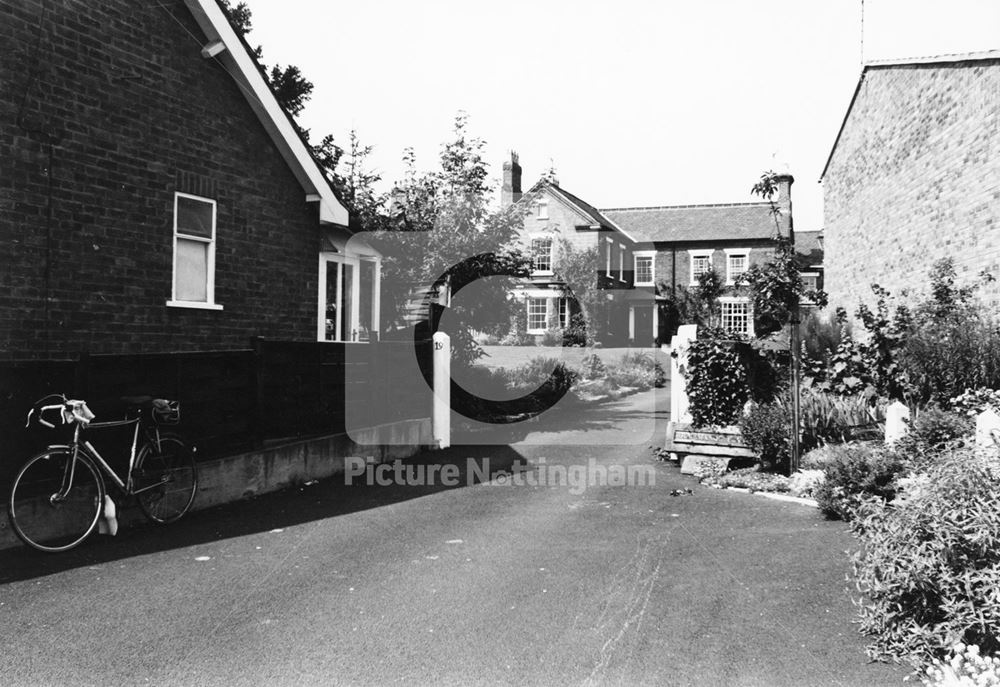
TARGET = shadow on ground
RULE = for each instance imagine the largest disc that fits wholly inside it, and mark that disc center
(326, 499)
(567, 416)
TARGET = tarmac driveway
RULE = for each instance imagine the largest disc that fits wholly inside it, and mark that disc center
(517, 574)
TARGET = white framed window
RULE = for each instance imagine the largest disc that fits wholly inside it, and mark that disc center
(610, 245)
(541, 253)
(645, 267)
(621, 263)
(736, 316)
(542, 209)
(538, 315)
(701, 262)
(348, 297)
(737, 262)
(194, 253)
(564, 313)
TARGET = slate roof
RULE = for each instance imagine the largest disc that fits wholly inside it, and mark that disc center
(733, 221)
(586, 207)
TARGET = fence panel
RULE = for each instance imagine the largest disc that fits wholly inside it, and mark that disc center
(231, 401)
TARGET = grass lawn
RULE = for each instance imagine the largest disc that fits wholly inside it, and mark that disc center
(515, 356)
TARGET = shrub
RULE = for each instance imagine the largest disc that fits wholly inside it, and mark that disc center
(826, 417)
(929, 569)
(974, 401)
(577, 334)
(716, 380)
(855, 474)
(552, 337)
(752, 479)
(550, 374)
(637, 369)
(593, 367)
(944, 358)
(765, 429)
(935, 427)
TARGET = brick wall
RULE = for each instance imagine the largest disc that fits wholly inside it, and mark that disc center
(110, 110)
(758, 252)
(915, 177)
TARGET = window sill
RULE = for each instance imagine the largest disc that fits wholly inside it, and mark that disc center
(535, 331)
(542, 273)
(194, 305)
(644, 283)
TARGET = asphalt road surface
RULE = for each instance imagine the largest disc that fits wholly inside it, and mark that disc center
(519, 572)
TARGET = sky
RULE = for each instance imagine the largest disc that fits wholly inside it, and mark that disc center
(632, 102)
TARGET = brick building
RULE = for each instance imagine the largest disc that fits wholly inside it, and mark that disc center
(914, 176)
(556, 217)
(155, 196)
(645, 253)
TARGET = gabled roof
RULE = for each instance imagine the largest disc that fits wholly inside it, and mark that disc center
(959, 60)
(581, 206)
(673, 223)
(229, 50)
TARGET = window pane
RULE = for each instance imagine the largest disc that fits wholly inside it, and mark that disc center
(367, 301)
(542, 252)
(736, 317)
(347, 323)
(737, 265)
(643, 269)
(332, 280)
(191, 279)
(194, 217)
(537, 313)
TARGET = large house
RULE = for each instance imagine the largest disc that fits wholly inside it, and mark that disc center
(914, 177)
(156, 197)
(645, 254)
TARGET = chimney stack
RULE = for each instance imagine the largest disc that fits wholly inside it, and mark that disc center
(784, 180)
(511, 191)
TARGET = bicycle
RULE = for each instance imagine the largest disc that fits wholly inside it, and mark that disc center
(59, 496)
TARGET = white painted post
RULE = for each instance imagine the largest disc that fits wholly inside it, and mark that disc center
(441, 419)
(678, 389)
(897, 418)
(987, 427)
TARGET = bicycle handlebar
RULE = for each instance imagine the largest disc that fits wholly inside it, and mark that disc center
(41, 419)
(70, 411)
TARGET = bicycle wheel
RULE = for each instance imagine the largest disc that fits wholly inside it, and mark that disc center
(46, 522)
(165, 481)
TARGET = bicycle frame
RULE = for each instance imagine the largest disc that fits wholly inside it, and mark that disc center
(78, 445)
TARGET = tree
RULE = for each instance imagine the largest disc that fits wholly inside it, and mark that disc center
(578, 269)
(290, 87)
(776, 288)
(443, 235)
(698, 305)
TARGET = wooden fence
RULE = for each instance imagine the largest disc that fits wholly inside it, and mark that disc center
(231, 401)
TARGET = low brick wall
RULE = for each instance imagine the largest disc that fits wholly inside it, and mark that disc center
(241, 476)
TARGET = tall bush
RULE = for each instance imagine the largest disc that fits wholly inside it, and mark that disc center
(765, 429)
(716, 380)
